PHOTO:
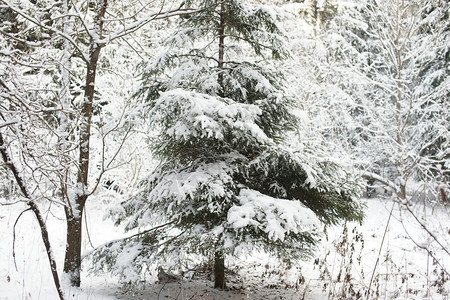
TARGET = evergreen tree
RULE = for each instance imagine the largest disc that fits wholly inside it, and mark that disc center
(228, 181)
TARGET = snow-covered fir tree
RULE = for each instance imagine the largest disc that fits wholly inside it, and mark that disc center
(229, 181)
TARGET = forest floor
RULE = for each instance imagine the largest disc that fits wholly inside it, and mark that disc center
(349, 259)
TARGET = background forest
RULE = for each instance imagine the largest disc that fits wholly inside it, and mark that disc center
(204, 149)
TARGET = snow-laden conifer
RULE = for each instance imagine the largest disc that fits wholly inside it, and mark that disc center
(229, 181)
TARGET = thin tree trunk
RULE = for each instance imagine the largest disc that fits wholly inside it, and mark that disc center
(402, 194)
(219, 261)
(221, 32)
(219, 270)
(444, 197)
(74, 211)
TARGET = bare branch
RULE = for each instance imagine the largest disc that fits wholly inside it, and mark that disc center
(425, 248)
(14, 238)
(37, 213)
(426, 229)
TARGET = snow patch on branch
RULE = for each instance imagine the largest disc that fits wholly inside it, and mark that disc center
(277, 217)
(181, 185)
(206, 116)
(9, 123)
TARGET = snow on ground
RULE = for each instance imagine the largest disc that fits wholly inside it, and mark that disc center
(344, 264)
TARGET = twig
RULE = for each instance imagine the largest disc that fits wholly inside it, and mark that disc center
(14, 238)
(10, 203)
(430, 253)
(87, 230)
(379, 251)
(159, 293)
(426, 229)
(181, 287)
(8, 123)
(126, 238)
(305, 290)
(196, 294)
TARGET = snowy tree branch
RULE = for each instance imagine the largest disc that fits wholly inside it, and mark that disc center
(8, 123)
(49, 28)
(44, 232)
(147, 19)
(384, 181)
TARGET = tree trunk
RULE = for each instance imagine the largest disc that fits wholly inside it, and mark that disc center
(74, 211)
(444, 197)
(219, 261)
(221, 32)
(219, 270)
(72, 260)
(402, 193)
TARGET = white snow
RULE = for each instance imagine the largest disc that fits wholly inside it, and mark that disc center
(404, 270)
(182, 184)
(282, 216)
(206, 116)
